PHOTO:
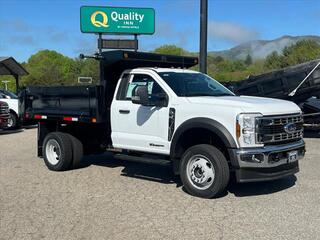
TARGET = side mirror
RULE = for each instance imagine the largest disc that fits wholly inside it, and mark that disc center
(140, 95)
(160, 99)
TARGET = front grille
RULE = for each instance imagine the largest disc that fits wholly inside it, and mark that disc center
(279, 129)
(4, 109)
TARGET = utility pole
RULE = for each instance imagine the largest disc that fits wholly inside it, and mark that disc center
(5, 82)
(203, 35)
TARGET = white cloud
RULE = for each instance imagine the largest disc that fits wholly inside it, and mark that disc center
(167, 32)
(230, 32)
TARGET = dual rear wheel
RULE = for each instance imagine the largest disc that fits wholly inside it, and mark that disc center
(62, 151)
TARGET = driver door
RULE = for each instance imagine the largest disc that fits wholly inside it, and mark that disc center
(135, 126)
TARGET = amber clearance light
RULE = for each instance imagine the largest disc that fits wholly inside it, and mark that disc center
(238, 130)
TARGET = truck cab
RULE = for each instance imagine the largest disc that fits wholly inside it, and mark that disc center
(155, 110)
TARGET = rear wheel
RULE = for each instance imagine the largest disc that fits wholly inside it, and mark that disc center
(77, 151)
(57, 151)
(204, 171)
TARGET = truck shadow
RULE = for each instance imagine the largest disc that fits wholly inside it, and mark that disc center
(142, 171)
(261, 188)
(164, 175)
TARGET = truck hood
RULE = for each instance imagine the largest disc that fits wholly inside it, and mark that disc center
(265, 106)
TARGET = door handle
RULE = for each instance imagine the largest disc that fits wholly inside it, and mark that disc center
(124, 111)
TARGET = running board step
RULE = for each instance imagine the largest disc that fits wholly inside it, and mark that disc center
(148, 160)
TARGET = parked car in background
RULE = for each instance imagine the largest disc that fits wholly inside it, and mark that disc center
(12, 100)
(4, 115)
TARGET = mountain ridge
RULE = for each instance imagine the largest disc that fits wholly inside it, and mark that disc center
(260, 49)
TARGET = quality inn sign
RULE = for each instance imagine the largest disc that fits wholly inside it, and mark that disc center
(117, 20)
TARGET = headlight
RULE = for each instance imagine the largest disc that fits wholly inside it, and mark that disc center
(246, 129)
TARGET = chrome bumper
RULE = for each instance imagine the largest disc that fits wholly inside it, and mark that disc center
(273, 162)
(269, 156)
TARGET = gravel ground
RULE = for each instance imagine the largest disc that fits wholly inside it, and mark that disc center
(112, 199)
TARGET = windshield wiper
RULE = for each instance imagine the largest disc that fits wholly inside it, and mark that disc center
(224, 94)
(199, 95)
(208, 95)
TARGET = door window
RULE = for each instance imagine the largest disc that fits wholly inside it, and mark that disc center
(154, 88)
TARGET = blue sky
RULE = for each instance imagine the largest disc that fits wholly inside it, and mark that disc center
(27, 26)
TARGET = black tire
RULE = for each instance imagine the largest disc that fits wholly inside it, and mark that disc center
(64, 161)
(77, 151)
(215, 159)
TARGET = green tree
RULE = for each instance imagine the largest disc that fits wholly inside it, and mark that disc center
(49, 68)
(273, 61)
(248, 60)
(302, 51)
(171, 50)
(87, 68)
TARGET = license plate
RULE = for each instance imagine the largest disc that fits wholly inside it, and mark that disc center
(292, 156)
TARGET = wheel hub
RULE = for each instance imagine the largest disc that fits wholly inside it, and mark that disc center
(53, 151)
(200, 172)
(10, 122)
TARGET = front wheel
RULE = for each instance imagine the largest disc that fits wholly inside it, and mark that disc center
(12, 121)
(204, 171)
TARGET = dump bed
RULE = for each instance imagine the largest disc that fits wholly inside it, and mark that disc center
(278, 84)
(68, 103)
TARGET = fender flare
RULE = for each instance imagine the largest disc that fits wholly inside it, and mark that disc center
(205, 123)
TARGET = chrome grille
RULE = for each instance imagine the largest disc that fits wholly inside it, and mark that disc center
(4, 109)
(272, 129)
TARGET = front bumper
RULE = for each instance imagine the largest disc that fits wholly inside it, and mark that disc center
(268, 163)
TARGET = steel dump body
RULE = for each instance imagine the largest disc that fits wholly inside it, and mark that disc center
(67, 101)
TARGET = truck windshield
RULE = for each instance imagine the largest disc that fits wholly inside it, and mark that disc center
(186, 84)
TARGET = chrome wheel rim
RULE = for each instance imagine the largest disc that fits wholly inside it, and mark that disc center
(10, 122)
(53, 152)
(200, 172)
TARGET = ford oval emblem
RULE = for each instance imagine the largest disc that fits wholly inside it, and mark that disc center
(290, 128)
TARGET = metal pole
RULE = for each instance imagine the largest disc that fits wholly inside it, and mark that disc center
(100, 58)
(100, 43)
(136, 42)
(17, 83)
(203, 35)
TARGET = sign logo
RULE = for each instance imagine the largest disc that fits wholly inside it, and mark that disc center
(117, 20)
(290, 128)
(98, 23)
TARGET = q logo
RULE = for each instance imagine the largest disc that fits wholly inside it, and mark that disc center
(98, 23)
